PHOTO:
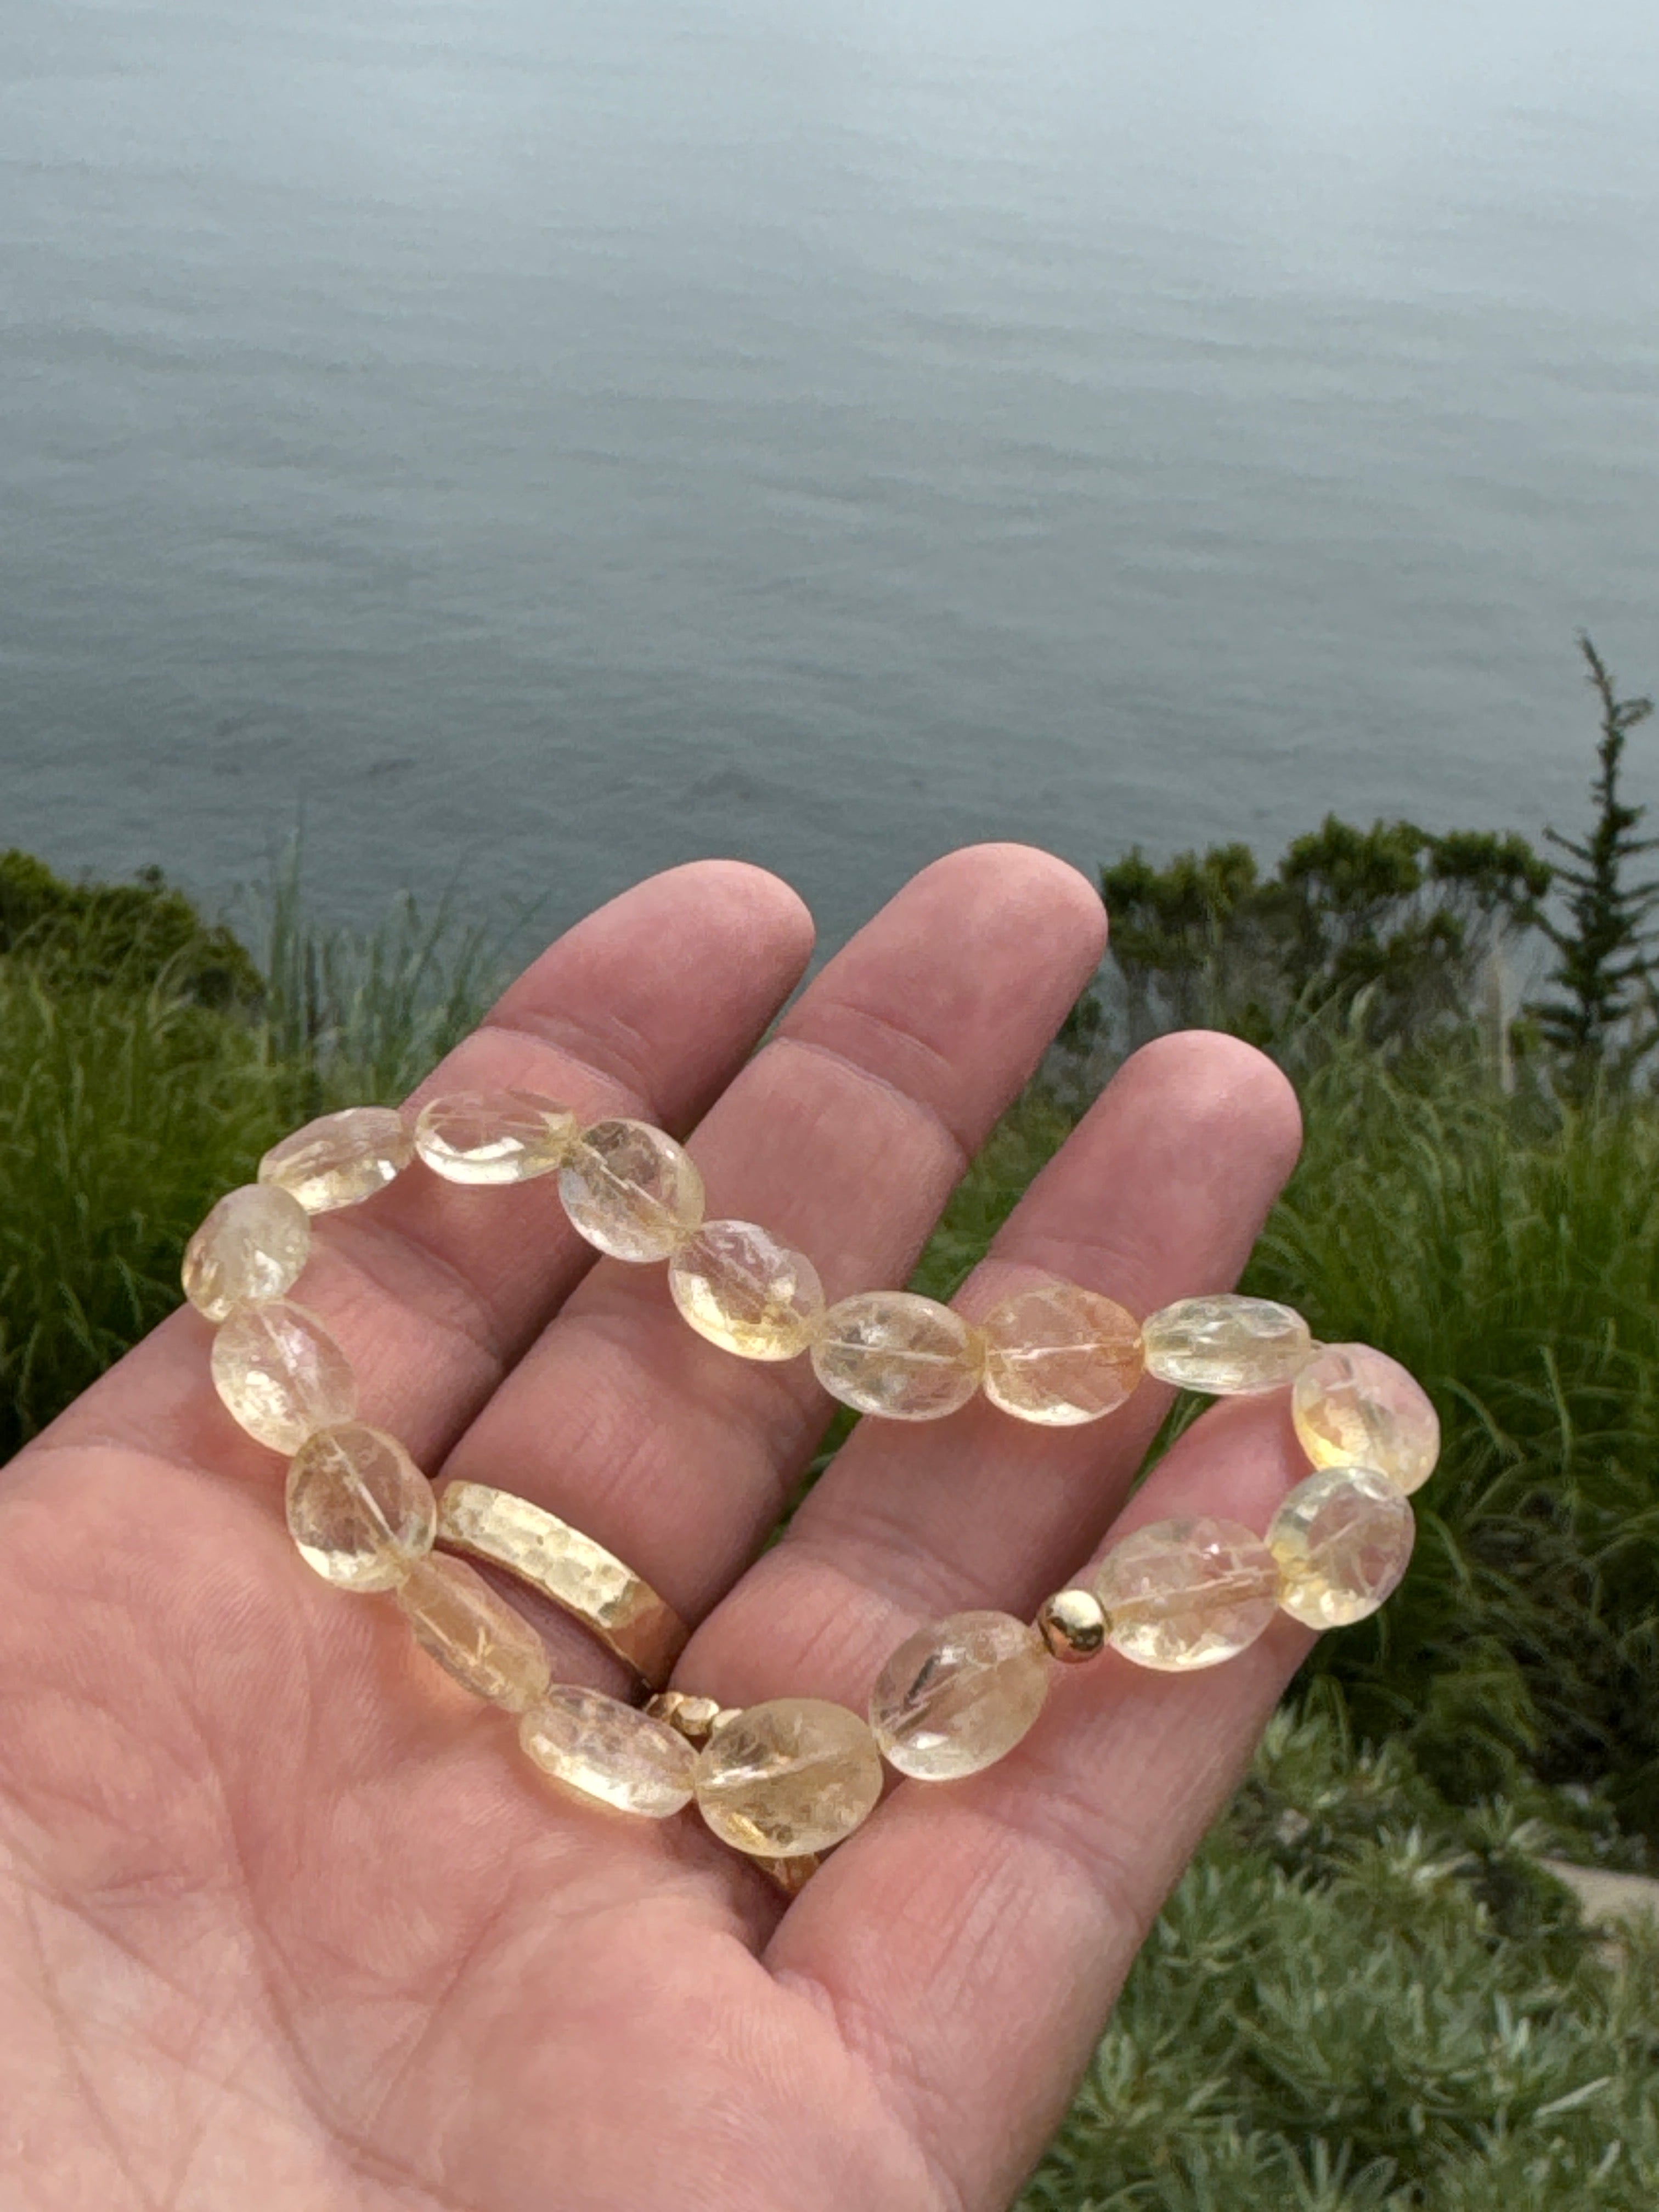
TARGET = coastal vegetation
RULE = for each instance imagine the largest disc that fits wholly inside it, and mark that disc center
(1360, 1999)
(1367, 1993)
(147, 1059)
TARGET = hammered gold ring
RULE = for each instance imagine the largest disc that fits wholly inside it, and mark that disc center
(578, 1575)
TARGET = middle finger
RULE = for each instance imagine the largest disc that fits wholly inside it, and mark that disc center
(843, 1136)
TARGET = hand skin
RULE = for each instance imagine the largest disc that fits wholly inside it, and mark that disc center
(288, 1923)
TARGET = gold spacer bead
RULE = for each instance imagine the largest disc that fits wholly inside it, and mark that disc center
(692, 1718)
(1074, 1624)
(790, 1875)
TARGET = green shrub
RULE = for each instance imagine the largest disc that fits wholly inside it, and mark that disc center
(1357, 1998)
(1393, 924)
(141, 936)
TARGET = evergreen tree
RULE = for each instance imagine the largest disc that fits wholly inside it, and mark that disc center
(1605, 1019)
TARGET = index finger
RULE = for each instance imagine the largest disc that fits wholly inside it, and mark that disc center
(648, 1006)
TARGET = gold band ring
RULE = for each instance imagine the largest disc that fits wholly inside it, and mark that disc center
(581, 1576)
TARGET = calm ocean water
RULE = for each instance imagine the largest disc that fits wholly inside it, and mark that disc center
(536, 443)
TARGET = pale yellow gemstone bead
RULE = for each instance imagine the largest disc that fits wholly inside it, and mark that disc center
(474, 1634)
(252, 1245)
(342, 1158)
(494, 1137)
(1061, 1355)
(893, 1353)
(1185, 1594)
(1354, 1406)
(608, 1750)
(959, 1694)
(744, 1290)
(630, 1190)
(358, 1510)
(1343, 1539)
(282, 1375)
(1229, 1345)
(793, 1775)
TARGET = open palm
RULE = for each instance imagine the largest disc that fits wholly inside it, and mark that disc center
(286, 1920)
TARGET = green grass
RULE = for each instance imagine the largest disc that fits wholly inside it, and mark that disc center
(131, 1099)
(1512, 1261)
(359, 1017)
(126, 1113)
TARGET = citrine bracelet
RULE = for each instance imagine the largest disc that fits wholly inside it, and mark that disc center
(784, 1781)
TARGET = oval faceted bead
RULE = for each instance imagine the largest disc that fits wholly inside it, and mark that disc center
(611, 1751)
(740, 1288)
(474, 1634)
(340, 1159)
(1229, 1345)
(1342, 1538)
(358, 1510)
(1061, 1355)
(893, 1353)
(494, 1137)
(793, 1775)
(1357, 1407)
(282, 1375)
(959, 1694)
(1185, 1594)
(252, 1245)
(631, 1191)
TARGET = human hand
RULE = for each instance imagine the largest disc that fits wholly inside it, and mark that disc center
(287, 1921)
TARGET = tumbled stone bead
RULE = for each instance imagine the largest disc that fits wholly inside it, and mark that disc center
(252, 1245)
(793, 1775)
(744, 1290)
(611, 1751)
(959, 1694)
(630, 1190)
(358, 1510)
(1185, 1594)
(340, 1159)
(1343, 1539)
(1357, 1407)
(474, 1634)
(1229, 1345)
(282, 1375)
(893, 1353)
(1061, 1355)
(494, 1137)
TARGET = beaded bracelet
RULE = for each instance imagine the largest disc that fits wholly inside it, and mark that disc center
(784, 1781)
